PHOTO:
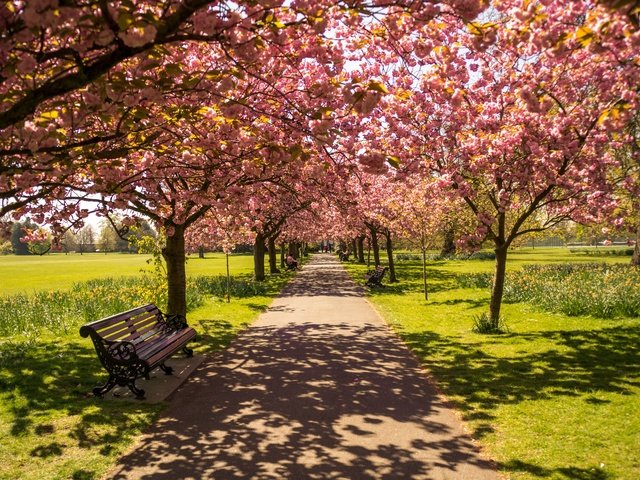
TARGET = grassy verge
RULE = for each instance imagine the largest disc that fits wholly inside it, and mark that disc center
(59, 271)
(557, 398)
(49, 426)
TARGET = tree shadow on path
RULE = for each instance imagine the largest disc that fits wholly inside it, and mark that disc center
(308, 401)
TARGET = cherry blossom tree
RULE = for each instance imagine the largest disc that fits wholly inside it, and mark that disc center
(422, 212)
(516, 117)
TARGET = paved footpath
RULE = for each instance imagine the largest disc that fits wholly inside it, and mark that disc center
(318, 388)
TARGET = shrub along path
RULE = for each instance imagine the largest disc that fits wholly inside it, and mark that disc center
(318, 387)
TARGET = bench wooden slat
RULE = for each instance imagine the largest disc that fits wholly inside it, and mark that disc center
(128, 330)
(158, 356)
(105, 322)
(151, 347)
(144, 329)
(112, 327)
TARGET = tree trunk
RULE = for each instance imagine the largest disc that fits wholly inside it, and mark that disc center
(283, 255)
(392, 265)
(273, 256)
(498, 282)
(174, 256)
(354, 247)
(226, 257)
(449, 242)
(424, 271)
(375, 247)
(635, 259)
(201, 252)
(258, 258)
(360, 245)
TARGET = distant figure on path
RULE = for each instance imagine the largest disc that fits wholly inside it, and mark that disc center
(292, 263)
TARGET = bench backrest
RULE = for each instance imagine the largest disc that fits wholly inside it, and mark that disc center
(135, 325)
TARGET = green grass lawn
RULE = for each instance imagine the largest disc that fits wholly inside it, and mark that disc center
(49, 426)
(557, 398)
(24, 274)
(523, 256)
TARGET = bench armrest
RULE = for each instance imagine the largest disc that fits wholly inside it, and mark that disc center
(173, 323)
(119, 358)
(121, 351)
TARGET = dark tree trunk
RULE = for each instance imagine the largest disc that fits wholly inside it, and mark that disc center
(360, 245)
(273, 256)
(424, 271)
(258, 257)
(201, 252)
(498, 282)
(449, 242)
(635, 259)
(295, 250)
(354, 247)
(174, 256)
(375, 247)
(392, 265)
(283, 255)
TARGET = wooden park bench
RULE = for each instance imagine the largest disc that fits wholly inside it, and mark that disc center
(291, 266)
(131, 344)
(374, 277)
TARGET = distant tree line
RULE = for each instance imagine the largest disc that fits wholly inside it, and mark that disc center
(89, 238)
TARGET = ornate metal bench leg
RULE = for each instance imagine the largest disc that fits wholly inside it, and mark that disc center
(138, 392)
(188, 351)
(100, 391)
(165, 369)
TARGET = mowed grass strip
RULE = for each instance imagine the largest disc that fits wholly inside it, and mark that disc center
(557, 398)
(28, 273)
(49, 426)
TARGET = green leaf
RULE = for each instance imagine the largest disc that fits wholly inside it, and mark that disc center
(191, 82)
(50, 115)
(393, 161)
(150, 66)
(173, 69)
(141, 113)
(296, 151)
(124, 20)
(377, 86)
